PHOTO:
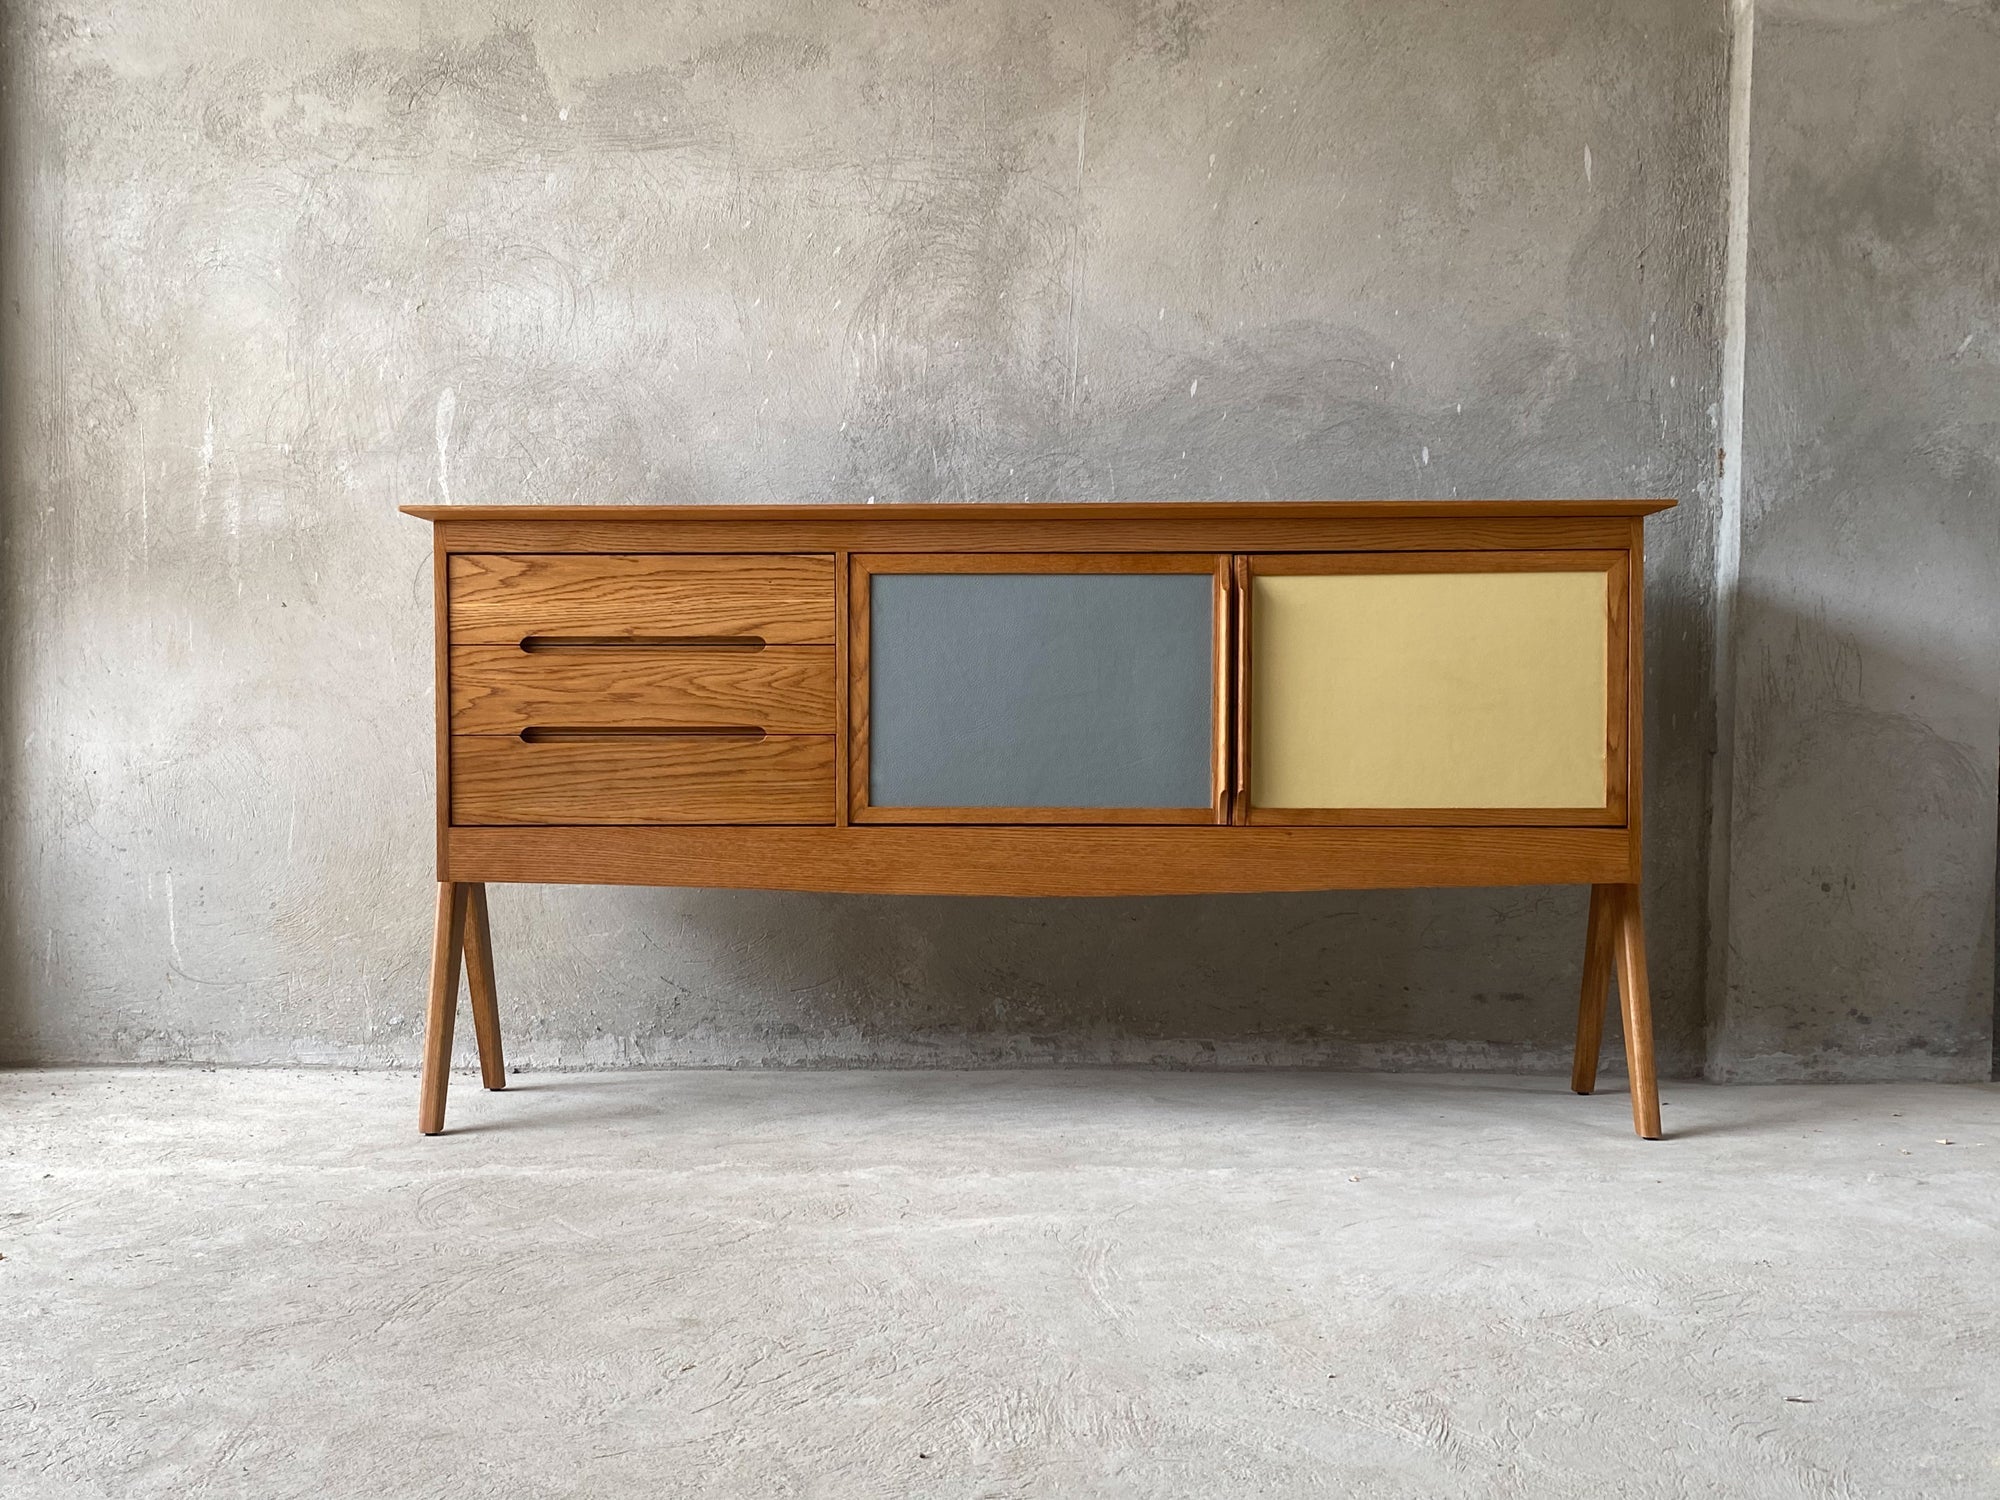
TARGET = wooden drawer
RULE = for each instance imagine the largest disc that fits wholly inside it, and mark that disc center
(641, 778)
(778, 689)
(504, 599)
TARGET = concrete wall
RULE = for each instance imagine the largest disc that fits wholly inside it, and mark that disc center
(1859, 859)
(273, 269)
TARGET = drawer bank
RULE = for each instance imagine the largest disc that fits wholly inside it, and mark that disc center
(1041, 700)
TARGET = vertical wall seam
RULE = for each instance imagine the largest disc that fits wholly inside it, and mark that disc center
(1729, 520)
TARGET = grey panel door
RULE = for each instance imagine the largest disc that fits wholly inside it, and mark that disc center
(1041, 690)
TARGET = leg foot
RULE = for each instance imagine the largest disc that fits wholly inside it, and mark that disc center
(479, 981)
(1636, 1009)
(447, 946)
(1597, 941)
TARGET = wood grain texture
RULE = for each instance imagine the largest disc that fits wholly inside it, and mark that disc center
(441, 1010)
(1599, 937)
(441, 691)
(1520, 560)
(638, 779)
(971, 529)
(1634, 977)
(1635, 687)
(1617, 690)
(1057, 861)
(1239, 797)
(1223, 672)
(482, 988)
(780, 689)
(502, 599)
(878, 817)
(1436, 817)
(855, 793)
(1636, 1011)
(1038, 562)
(843, 647)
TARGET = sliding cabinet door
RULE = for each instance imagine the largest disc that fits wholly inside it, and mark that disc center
(1434, 688)
(1044, 688)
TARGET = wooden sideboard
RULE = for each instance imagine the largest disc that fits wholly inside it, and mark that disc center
(1041, 700)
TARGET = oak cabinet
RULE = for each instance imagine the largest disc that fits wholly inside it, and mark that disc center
(1041, 700)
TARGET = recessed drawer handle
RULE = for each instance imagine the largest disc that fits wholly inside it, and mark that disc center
(540, 734)
(626, 642)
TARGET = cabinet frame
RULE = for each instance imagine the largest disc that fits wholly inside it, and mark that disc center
(863, 567)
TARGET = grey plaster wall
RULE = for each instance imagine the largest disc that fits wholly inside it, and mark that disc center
(271, 269)
(1861, 846)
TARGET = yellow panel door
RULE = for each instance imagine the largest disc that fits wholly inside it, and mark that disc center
(1428, 684)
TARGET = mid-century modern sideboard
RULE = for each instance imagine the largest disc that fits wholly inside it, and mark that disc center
(1041, 700)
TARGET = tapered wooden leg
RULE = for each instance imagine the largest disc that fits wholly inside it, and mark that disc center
(479, 980)
(1636, 1009)
(446, 948)
(1597, 943)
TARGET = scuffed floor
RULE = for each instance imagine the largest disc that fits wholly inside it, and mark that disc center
(1050, 1284)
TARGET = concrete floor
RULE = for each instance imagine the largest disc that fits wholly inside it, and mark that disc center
(999, 1284)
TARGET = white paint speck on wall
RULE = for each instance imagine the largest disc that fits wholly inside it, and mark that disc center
(447, 408)
(205, 458)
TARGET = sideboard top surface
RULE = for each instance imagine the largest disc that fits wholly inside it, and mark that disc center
(1107, 510)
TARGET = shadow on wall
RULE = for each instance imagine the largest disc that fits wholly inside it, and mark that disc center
(1351, 979)
(19, 261)
(1862, 855)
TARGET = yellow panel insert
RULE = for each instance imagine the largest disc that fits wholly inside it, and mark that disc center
(1431, 690)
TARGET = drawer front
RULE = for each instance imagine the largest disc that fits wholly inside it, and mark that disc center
(641, 778)
(504, 599)
(778, 689)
